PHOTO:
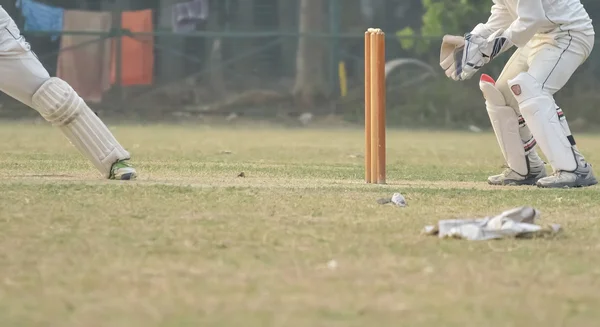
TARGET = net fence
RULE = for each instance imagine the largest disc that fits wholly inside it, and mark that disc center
(242, 57)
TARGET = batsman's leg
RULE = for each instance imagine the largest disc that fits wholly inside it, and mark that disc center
(551, 67)
(23, 77)
(513, 135)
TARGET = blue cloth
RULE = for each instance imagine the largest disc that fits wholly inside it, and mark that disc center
(41, 17)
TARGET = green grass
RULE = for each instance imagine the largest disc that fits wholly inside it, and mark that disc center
(192, 244)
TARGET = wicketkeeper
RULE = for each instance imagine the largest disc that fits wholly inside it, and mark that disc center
(23, 77)
(553, 38)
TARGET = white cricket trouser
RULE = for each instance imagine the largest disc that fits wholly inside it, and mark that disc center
(21, 73)
(551, 60)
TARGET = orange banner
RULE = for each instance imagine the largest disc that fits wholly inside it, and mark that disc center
(137, 65)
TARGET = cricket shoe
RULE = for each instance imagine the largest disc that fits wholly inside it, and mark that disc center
(122, 170)
(511, 177)
(583, 176)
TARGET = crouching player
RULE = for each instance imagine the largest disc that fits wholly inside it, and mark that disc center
(553, 38)
(23, 77)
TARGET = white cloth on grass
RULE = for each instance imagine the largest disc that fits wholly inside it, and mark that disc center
(517, 222)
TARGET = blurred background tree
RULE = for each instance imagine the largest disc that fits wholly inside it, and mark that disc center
(443, 17)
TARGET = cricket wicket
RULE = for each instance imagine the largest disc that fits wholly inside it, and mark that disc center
(375, 106)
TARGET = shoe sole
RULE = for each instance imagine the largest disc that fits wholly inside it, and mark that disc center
(124, 177)
(128, 177)
(571, 185)
(514, 183)
(526, 182)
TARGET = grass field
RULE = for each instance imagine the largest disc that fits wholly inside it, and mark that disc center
(192, 244)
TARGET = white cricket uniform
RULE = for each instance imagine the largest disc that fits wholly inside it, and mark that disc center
(554, 37)
(522, 19)
(24, 78)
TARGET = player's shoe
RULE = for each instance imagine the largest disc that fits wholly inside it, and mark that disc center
(511, 177)
(122, 170)
(583, 176)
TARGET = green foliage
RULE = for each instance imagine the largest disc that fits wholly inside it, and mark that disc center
(453, 16)
(409, 40)
(444, 17)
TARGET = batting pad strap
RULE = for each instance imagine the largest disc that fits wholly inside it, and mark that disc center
(529, 145)
(59, 104)
(522, 122)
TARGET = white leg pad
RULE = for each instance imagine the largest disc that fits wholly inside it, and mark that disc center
(539, 110)
(60, 105)
(505, 122)
(506, 126)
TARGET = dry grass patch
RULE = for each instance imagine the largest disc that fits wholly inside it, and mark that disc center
(192, 244)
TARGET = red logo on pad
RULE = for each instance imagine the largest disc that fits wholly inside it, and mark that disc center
(516, 89)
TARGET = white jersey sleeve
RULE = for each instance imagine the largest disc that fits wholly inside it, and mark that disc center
(531, 17)
(4, 18)
(521, 20)
(500, 18)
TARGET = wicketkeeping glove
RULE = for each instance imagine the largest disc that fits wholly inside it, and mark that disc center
(451, 56)
(479, 51)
